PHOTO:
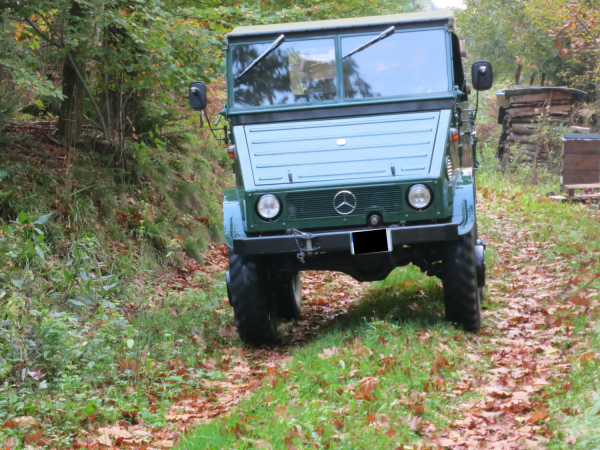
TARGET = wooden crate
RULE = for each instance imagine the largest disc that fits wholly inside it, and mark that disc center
(581, 159)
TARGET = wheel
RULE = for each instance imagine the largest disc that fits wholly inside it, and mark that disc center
(255, 312)
(287, 295)
(462, 294)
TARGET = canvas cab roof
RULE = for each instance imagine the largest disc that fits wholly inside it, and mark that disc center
(357, 22)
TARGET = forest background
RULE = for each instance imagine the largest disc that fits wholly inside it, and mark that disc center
(108, 182)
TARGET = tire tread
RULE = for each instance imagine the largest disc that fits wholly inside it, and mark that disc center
(255, 314)
(461, 291)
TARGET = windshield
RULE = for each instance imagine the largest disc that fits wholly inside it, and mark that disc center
(302, 71)
(402, 64)
(296, 72)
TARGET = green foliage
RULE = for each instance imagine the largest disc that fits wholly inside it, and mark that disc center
(141, 55)
(505, 32)
(79, 312)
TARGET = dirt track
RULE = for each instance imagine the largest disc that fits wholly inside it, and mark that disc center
(526, 344)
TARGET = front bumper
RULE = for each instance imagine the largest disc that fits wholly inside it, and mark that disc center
(339, 241)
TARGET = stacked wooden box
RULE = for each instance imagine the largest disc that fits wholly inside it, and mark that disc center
(526, 112)
(581, 161)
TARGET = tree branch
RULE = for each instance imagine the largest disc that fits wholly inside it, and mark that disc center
(91, 97)
(41, 34)
(584, 26)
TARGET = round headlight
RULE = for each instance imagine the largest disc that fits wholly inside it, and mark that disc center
(268, 207)
(419, 196)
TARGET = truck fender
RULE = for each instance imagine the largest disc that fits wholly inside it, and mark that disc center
(232, 216)
(464, 201)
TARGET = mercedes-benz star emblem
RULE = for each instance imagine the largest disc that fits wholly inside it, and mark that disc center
(344, 202)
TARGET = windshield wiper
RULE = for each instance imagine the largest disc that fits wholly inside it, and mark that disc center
(386, 33)
(273, 46)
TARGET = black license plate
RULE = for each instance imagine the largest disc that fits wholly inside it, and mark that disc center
(371, 241)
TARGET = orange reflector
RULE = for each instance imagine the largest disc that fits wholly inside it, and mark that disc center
(454, 133)
(231, 152)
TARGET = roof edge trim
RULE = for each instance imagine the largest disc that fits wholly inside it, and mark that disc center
(297, 27)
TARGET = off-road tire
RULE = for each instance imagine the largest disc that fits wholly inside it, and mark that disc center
(255, 312)
(287, 294)
(462, 295)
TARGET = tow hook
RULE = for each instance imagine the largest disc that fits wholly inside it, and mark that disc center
(308, 240)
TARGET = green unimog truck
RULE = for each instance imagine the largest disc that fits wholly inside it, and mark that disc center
(353, 151)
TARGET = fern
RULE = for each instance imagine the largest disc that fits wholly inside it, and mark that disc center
(8, 171)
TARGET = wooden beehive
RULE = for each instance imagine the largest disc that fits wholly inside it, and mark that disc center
(581, 159)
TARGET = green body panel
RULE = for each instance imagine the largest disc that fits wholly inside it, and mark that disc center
(464, 200)
(434, 147)
(232, 215)
(342, 149)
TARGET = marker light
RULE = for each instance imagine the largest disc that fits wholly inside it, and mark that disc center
(231, 152)
(454, 134)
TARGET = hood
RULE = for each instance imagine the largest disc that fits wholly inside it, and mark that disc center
(391, 145)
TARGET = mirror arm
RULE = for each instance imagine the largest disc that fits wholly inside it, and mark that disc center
(214, 128)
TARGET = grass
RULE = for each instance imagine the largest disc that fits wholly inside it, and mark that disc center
(392, 371)
(88, 337)
(87, 327)
(384, 374)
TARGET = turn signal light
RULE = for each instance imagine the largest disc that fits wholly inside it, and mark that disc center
(231, 152)
(454, 133)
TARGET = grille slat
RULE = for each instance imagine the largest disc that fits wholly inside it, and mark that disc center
(319, 204)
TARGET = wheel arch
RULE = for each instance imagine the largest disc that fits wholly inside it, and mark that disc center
(464, 201)
(233, 222)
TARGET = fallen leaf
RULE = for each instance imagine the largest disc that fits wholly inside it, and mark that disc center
(227, 331)
(338, 423)
(523, 396)
(328, 352)
(572, 439)
(22, 423)
(587, 356)
(104, 440)
(538, 415)
(579, 299)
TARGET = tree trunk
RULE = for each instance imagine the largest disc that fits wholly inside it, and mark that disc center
(124, 107)
(1, 54)
(72, 108)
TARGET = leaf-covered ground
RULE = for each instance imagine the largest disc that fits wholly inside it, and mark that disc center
(376, 366)
(368, 366)
(392, 373)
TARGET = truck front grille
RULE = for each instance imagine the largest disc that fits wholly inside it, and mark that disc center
(319, 204)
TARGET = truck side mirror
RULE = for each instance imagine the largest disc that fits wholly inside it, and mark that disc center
(482, 75)
(197, 96)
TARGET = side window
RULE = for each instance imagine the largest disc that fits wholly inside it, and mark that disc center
(457, 64)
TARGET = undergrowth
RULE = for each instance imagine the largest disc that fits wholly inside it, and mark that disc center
(85, 327)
